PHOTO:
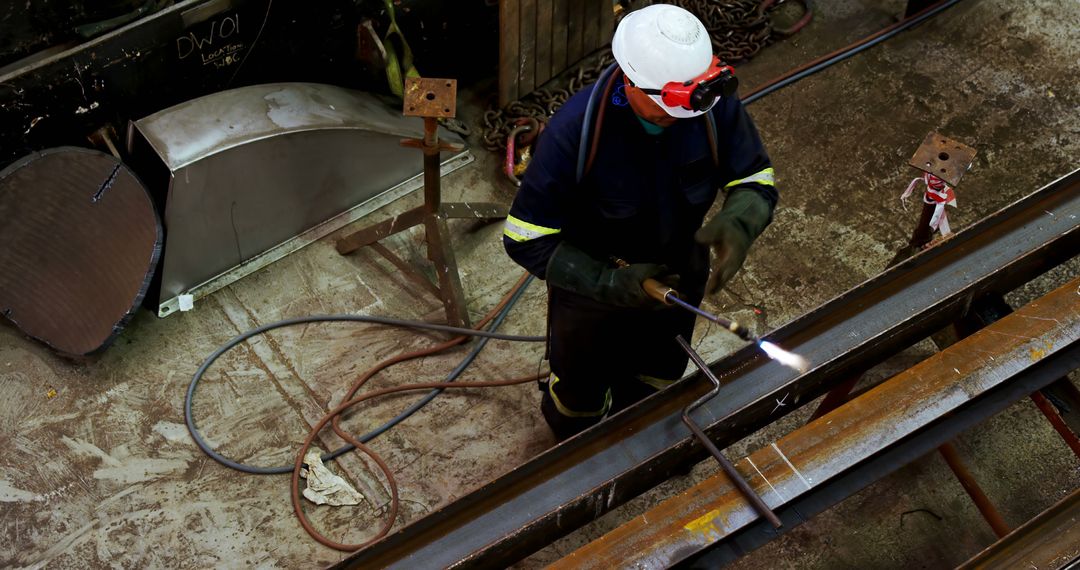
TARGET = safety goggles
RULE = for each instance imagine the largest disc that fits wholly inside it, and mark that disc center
(699, 94)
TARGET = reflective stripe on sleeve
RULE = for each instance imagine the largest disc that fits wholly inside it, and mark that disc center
(764, 177)
(520, 230)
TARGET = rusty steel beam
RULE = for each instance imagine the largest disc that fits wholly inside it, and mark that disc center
(601, 468)
(832, 492)
(798, 463)
(1062, 393)
(1049, 541)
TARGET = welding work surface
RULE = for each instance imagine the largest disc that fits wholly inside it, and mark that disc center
(98, 470)
(853, 433)
(551, 491)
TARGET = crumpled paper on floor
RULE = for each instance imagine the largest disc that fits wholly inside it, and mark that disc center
(324, 487)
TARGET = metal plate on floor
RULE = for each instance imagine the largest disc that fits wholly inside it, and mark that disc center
(943, 157)
(81, 239)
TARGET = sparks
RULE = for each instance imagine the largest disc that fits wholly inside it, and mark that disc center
(789, 359)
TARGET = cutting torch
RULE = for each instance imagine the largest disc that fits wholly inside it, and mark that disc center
(670, 296)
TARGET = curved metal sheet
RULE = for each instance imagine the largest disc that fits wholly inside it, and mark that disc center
(202, 127)
(258, 172)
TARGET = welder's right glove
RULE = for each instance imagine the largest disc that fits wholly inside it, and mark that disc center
(731, 232)
(578, 272)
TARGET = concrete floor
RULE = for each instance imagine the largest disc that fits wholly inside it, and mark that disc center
(104, 473)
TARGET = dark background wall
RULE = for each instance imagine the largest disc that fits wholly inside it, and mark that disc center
(56, 86)
(29, 27)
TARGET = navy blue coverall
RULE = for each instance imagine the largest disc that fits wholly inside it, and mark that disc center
(641, 201)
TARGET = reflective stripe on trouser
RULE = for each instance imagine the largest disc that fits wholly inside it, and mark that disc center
(553, 380)
(598, 351)
(520, 230)
(765, 177)
(658, 383)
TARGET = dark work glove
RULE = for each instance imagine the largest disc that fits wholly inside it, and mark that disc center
(578, 272)
(730, 233)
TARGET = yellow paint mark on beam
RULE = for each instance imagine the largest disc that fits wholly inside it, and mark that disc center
(709, 526)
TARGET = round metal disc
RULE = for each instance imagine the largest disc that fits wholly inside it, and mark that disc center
(80, 242)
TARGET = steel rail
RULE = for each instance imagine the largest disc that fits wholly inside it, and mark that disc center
(926, 441)
(1044, 336)
(603, 467)
(1051, 540)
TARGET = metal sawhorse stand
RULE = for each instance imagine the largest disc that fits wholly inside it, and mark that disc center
(430, 99)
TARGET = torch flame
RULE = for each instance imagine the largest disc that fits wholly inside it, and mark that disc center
(789, 359)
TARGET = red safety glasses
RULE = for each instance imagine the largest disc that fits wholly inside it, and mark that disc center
(702, 92)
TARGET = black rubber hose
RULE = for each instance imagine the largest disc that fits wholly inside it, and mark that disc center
(849, 51)
(189, 418)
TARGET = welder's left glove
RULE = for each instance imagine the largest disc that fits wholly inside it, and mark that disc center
(742, 219)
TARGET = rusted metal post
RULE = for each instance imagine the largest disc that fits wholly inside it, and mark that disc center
(948, 160)
(943, 158)
(1066, 399)
(982, 502)
(430, 99)
(437, 233)
(432, 178)
(836, 397)
(923, 233)
(1055, 420)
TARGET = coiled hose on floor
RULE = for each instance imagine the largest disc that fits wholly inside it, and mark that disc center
(496, 317)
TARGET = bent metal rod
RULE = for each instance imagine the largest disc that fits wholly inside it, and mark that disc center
(729, 469)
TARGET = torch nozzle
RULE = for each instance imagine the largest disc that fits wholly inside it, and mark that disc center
(671, 297)
(741, 331)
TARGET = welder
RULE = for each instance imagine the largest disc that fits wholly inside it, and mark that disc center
(626, 171)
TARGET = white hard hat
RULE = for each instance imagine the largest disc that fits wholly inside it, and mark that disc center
(662, 43)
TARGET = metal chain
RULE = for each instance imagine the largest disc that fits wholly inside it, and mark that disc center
(542, 103)
(738, 28)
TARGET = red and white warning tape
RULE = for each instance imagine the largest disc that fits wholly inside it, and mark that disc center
(938, 193)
